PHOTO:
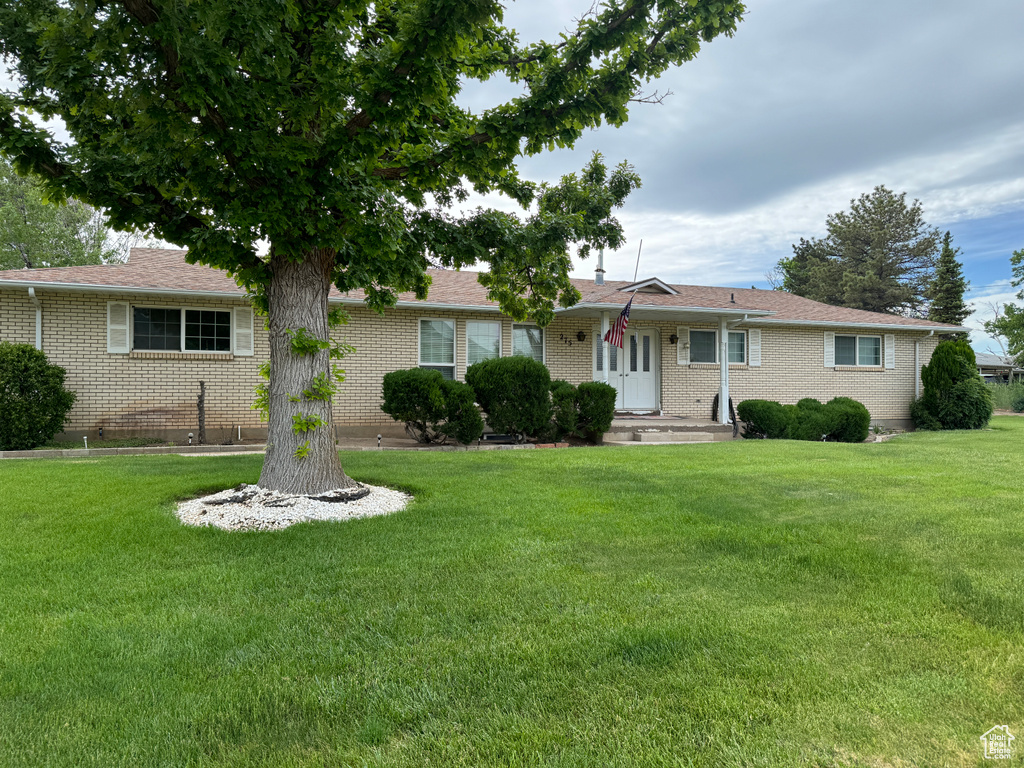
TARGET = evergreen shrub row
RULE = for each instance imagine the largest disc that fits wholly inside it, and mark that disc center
(516, 393)
(841, 419)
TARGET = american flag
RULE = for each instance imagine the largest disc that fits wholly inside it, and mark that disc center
(616, 332)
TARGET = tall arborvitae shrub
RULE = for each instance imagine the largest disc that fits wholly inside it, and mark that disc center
(954, 395)
(33, 402)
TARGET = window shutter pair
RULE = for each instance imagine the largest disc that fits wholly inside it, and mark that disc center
(119, 329)
(753, 347)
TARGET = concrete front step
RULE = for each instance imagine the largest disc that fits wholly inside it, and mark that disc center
(673, 437)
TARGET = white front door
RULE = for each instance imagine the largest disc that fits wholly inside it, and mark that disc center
(633, 371)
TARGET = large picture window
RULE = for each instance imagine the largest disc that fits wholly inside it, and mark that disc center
(528, 340)
(859, 350)
(157, 329)
(483, 341)
(437, 346)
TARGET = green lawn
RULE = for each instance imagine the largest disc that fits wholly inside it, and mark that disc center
(751, 603)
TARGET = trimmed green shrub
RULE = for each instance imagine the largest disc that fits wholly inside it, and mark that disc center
(514, 393)
(815, 421)
(564, 408)
(596, 409)
(432, 408)
(954, 396)
(34, 405)
(764, 419)
(841, 419)
(854, 421)
(1017, 406)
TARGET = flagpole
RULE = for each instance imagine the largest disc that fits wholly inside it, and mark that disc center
(635, 271)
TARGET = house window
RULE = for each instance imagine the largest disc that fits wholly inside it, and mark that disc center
(174, 330)
(157, 329)
(437, 346)
(738, 347)
(483, 341)
(702, 347)
(859, 350)
(207, 331)
(528, 340)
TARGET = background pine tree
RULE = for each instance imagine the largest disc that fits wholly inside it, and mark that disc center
(947, 290)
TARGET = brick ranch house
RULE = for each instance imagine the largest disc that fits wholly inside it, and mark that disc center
(137, 338)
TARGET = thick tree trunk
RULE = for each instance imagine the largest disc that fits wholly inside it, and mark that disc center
(298, 299)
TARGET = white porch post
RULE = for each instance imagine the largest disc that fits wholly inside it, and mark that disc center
(723, 367)
(605, 351)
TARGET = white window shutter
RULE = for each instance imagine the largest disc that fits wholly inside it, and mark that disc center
(118, 313)
(754, 347)
(890, 350)
(244, 345)
(683, 346)
(830, 349)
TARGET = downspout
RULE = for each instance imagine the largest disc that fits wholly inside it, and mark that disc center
(917, 369)
(723, 367)
(39, 317)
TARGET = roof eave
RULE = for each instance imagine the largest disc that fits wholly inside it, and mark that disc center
(854, 324)
(602, 307)
(99, 288)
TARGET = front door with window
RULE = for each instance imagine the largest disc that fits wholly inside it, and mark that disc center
(633, 370)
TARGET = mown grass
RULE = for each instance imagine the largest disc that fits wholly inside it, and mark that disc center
(753, 603)
(124, 442)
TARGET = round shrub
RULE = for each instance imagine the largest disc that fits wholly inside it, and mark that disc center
(815, 421)
(1017, 406)
(763, 419)
(596, 409)
(514, 393)
(432, 408)
(34, 405)
(854, 420)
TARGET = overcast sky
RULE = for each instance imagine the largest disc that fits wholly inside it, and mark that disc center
(813, 103)
(810, 104)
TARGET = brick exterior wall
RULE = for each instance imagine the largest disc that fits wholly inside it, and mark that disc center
(155, 392)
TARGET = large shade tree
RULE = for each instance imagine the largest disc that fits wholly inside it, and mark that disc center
(332, 131)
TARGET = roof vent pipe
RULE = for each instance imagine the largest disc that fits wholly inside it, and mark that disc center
(599, 272)
(732, 298)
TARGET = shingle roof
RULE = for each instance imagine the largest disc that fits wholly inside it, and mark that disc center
(166, 271)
